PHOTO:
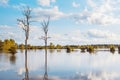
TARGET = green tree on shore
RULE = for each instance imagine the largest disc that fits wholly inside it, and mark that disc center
(21, 46)
(8, 45)
(51, 46)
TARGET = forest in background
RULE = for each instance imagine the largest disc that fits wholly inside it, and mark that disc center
(10, 46)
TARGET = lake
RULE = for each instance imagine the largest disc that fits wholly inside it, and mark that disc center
(59, 65)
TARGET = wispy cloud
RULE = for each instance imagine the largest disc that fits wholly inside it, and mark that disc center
(19, 7)
(93, 36)
(54, 13)
(45, 2)
(96, 76)
(102, 12)
(102, 34)
(76, 5)
(4, 2)
(7, 32)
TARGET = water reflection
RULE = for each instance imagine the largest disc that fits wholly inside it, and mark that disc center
(58, 50)
(45, 75)
(12, 59)
(26, 73)
(21, 50)
(51, 50)
(26, 68)
(102, 65)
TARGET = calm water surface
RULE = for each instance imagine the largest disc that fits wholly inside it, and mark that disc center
(101, 65)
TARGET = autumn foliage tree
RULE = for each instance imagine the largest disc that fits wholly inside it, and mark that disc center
(8, 45)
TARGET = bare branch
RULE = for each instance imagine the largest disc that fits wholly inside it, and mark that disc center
(27, 12)
(45, 25)
(25, 22)
(43, 37)
(48, 21)
(22, 24)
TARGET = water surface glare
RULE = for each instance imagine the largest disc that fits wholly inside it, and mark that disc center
(101, 65)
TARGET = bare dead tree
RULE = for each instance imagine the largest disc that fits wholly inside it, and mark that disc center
(25, 24)
(45, 25)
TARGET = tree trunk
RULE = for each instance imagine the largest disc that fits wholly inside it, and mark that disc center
(26, 68)
(46, 75)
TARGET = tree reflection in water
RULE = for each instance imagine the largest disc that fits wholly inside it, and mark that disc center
(45, 25)
(26, 69)
(12, 59)
(45, 75)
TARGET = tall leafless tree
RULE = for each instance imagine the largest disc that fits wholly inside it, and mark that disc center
(25, 24)
(45, 24)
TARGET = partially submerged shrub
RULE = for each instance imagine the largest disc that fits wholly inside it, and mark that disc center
(12, 50)
(69, 49)
(82, 49)
(90, 49)
(119, 49)
(112, 49)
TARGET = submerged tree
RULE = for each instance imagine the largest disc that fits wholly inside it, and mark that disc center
(69, 49)
(45, 25)
(25, 24)
(112, 49)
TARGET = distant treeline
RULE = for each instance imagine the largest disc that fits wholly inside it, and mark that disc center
(9, 45)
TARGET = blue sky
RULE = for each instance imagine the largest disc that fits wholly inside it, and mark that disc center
(72, 21)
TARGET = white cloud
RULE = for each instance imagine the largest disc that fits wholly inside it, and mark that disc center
(19, 7)
(54, 13)
(102, 12)
(96, 76)
(45, 2)
(3, 2)
(72, 37)
(7, 32)
(74, 4)
(75, 37)
(91, 3)
(102, 34)
(5, 67)
(92, 36)
(83, 76)
(96, 36)
(41, 77)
